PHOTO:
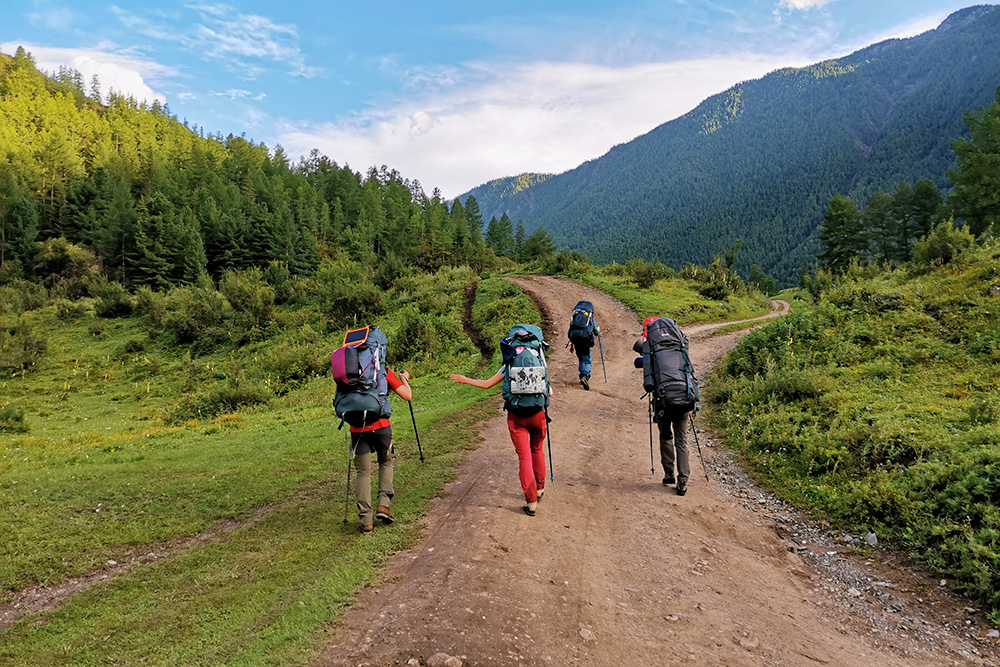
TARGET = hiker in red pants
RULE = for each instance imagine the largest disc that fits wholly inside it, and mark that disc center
(526, 393)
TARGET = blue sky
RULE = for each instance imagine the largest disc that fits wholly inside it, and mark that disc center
(449, 94)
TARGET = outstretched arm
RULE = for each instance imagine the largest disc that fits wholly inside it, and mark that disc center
(482, 384)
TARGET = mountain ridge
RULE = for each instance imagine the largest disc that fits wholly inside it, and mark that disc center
(761, 160)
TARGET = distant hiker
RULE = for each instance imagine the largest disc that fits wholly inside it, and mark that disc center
(582, 328)
(526, 392)
(668, 377)
(362, 400)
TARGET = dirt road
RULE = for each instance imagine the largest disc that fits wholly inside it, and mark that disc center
(615, 569)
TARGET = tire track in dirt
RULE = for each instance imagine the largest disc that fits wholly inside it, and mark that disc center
(615, 568)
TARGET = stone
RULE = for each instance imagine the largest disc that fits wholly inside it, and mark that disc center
(443, 660)
(749, 643)
(587, 635)
(853, 592)
(993, 634)
(871, 539)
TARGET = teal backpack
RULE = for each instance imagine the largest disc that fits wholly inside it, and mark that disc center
(526, 382)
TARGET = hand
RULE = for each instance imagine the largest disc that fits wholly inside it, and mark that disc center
(406, 376)
(571, 347)
(458, 378)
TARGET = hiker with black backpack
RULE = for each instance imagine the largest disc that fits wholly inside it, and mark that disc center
(526, 391)
(669, 380)
(362, 400)
(582, 329)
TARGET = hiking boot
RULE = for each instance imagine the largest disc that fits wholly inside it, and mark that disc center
(384, 514)
(366, 529)
(584, 381)
(669, 479)
(530, 508)
(682, 486)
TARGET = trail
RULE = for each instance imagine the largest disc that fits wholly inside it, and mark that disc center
(616, 569)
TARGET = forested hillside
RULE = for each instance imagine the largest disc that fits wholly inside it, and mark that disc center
(762, 160)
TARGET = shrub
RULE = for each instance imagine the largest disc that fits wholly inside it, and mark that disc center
(20, 296)
(347, 295)
(112, 299)
(942, 245)
(250, 296)
(70, 310)
(19, 348)
(196, 315)
(12, 419)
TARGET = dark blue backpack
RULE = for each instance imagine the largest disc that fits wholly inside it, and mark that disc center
(581, 327)
(359, 369)
(667, 372)
(526, 382)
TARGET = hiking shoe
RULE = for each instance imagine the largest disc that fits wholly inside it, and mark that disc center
(366, 529)
(541, 492)
(669, 479)
(530, 508)
(583, 381)
(682, 486)
(384, 514)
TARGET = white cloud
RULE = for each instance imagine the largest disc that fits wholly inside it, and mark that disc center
(802, 5)
(239, 41)
(125, 73)
(543, 118)
(54, 18)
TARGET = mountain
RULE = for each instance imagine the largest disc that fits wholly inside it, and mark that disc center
(762, 160)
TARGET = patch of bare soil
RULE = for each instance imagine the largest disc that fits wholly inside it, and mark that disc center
(616, 569)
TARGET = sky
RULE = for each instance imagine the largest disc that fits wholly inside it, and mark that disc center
(448, 94)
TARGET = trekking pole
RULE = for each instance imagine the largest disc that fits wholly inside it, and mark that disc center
(347, 493)
(695, 431)
(652, 466)
(414, 420)
(601, 348)
(548, 437)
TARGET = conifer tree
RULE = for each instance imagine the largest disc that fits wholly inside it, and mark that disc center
(841, 234)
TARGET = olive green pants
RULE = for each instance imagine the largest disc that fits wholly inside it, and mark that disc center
(363, 444)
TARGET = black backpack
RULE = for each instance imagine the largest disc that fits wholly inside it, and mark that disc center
(667, 372)
(581, 327)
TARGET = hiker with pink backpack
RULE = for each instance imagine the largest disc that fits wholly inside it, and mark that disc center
(362, 400)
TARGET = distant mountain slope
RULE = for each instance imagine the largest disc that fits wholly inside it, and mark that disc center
(761, 160)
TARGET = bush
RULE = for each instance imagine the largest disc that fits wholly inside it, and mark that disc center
(19, 348)
(20, 296)
(347, 295)
(12, 419)
(942, 245)
(196, 315)
(112, 299)
(70, 310)
(249, 295)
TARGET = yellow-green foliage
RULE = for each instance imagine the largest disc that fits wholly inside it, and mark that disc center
(671, 296)
(877, 406)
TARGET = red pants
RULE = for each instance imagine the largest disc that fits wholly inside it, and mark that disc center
(528, 435)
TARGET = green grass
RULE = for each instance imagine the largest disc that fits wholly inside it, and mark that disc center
(677, 299)
(876, 407)
(107, 472)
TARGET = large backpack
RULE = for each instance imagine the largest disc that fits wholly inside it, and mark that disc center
(667, 372)
(526, 382)
(359, 370)
(581, 327)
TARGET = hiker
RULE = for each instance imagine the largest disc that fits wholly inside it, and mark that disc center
(365, 407)
(582, 328)
(526, 394)
(668, 377)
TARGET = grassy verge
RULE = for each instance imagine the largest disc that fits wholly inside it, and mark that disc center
(677, 299)
(876, 407)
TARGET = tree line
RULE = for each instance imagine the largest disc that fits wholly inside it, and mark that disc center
(98, 183)
(888, 228)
